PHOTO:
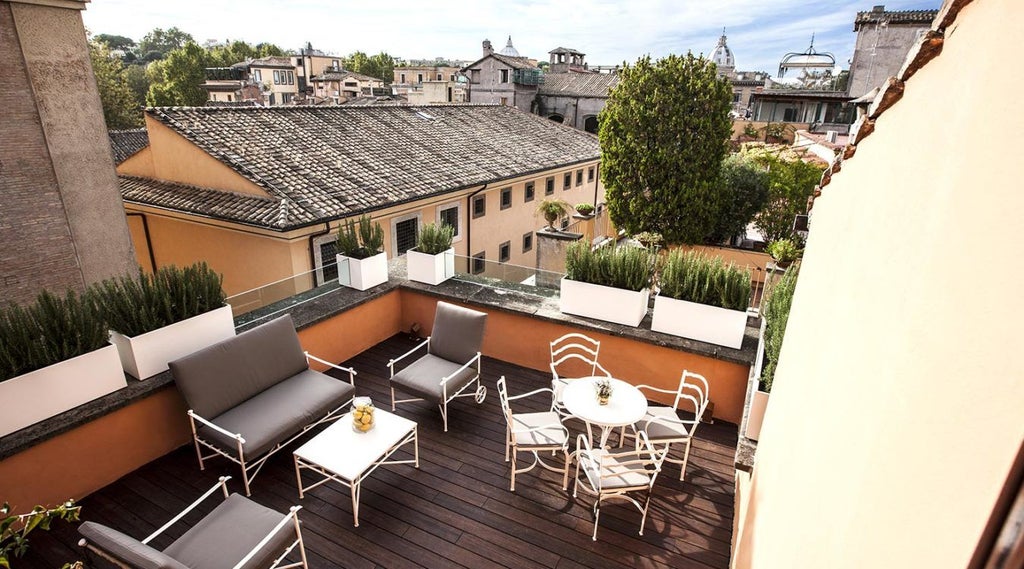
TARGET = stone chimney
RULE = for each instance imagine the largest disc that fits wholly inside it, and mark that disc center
(488, 50)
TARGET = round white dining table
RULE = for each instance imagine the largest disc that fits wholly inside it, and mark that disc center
(626, 406)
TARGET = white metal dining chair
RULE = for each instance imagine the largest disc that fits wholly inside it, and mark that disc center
(616, 475)
(533, 432)
(664, 426)
(573, 355)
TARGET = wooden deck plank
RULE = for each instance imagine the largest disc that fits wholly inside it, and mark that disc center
(455, 510)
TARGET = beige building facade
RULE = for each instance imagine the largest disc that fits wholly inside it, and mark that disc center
(895, 417)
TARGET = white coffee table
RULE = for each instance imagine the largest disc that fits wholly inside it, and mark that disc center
(347, 457)
(626, 406)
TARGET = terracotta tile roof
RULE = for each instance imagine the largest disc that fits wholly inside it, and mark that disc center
(335, 161)
(125, 143)
(217, 204)
(579, 84)
(340, 75)
(513, 62)
(272, 61)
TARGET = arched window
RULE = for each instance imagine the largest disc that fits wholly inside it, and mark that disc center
(557, 118)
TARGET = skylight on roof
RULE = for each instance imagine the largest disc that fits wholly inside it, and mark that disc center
(425, 116)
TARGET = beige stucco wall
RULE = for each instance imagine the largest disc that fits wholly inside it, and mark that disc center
(897, 408)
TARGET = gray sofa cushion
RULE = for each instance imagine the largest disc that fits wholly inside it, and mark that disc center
(228, 533)
(225, 374)
(422, 378)
(125, 549)
(458, 332)
(277, 413)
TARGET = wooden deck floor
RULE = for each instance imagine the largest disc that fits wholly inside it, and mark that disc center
(455, 510)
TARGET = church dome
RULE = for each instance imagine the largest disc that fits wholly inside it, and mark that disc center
(722, 55)
(509, 50)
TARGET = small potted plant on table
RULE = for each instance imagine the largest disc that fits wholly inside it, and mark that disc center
(432, 261)
(362, 262)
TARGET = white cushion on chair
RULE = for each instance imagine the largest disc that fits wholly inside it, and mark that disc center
(522, 422)
(661, 430)
(613, 474)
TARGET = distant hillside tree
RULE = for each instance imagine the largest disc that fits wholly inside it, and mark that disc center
(381, 66)
(176, 80)
(239, 51)
(120, 108)
(664, 133)
(162, 42)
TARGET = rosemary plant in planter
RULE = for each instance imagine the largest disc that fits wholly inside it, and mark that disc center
(775, 312)
(608, 283)
(361, 258)
(157, 318)
(54, 357)
(432, 261)
(702, 298)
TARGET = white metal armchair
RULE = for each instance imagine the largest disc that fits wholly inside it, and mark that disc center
(451, 363)
(663, 424)
(614, 476)
(533, 432)
(572, 356)
(238, 533)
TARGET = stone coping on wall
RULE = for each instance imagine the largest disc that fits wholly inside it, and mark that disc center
(324, 302)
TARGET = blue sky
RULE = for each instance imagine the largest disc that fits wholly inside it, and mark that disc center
(760, 32)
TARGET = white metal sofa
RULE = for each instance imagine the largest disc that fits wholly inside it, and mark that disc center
(252, 394)
(238, 533)
(451, 363)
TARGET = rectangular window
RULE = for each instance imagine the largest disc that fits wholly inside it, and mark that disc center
(439, 76)
(504, 76)
(479, 262)
(335, 64)
(504, 252)
(405, 235)
(419, 77)
(528, 192)
(527, 242)
(567, 181)
(579, 177)
(277, 77)
(590, 174)
(504, 101)
(450, 216)
(506, 198)
(257, 75)
(549, 186)
(452, 78)
(479, 206)
(328, 261)
(565, 222)
(403, 78)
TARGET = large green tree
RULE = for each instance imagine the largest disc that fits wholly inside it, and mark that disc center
(664, 133)
(177, 79)
(381, 66)
(791, 181)
(744, 194)
(120, 108)
(163, 42)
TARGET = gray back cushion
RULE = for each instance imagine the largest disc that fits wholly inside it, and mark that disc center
(126, 549)
(225, 374)
(458, 332)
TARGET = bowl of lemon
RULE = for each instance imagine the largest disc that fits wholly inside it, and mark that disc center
(362, 414)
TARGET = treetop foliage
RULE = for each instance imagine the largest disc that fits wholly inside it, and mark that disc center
(664, 133)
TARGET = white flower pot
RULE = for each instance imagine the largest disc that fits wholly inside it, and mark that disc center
(41, 394)
(146, 355)
(363, 273)
(755, 417)
(699, 321)
(430, 269)
(603, 302)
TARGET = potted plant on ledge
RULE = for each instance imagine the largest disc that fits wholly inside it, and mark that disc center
(585, 209)
(552, 209)
(362, 262)
(432, 261)
(775, 311)
(54, 357)
(784, 251)
(160, 317)
(702, 298)
(608, 283)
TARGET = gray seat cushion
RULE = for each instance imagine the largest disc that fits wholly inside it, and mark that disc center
(125, 549)
(279, 412)
(228, 533)
(458, 332)
(422, 378)
(225, 374)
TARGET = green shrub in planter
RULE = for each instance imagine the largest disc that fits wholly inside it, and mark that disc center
(367, 242)
(434, 238)
(698, 278)
(585, 208)
(784, 251)
(629, 268)
(775, 311)
(134, 306)
(50, 330)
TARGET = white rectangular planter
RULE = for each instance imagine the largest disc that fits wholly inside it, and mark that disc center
(699, 321)
(430, 269)
(41, 394)
(755, 417)
(363, 273)
(146, 355)
(603, 302)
